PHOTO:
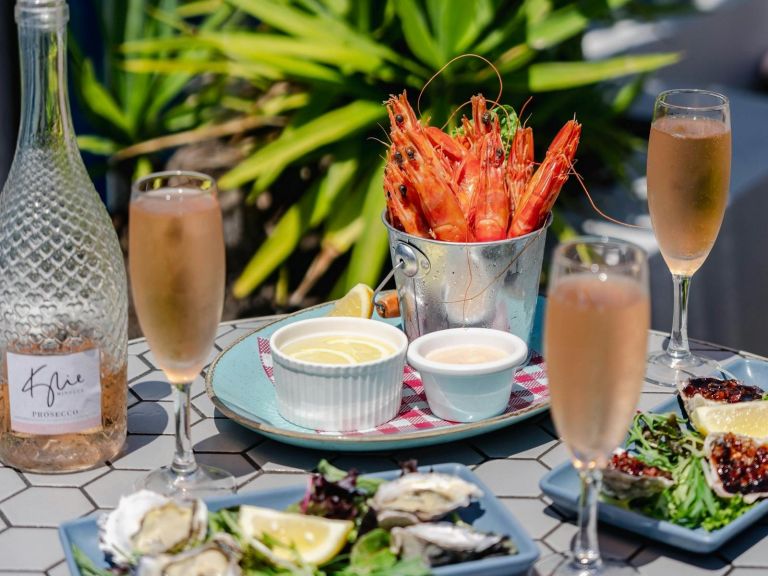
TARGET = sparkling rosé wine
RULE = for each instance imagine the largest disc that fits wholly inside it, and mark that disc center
(595, 345)
(63, 293)
(689, 164)
(178, 293)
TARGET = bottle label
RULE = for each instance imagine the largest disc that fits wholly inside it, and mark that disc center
(56, 394)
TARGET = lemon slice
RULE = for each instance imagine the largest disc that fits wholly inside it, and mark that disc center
(316, 540)
(366, 350)
(747, 418)
(324, 356)
(358, 303)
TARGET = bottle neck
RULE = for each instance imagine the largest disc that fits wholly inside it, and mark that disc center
(45, 115)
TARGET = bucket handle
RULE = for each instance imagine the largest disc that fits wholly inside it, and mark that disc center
(411, 261)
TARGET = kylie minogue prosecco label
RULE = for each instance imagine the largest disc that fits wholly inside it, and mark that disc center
(57, 394)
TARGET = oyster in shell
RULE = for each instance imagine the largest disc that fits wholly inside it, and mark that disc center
(146, 523)
(440, 543)
(737, 465)
(627, 478)
(708, 391)
(421, 497)
(219, 557)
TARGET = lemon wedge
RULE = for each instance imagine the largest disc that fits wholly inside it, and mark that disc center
(315, 540)
(358, 303)
(747, 418)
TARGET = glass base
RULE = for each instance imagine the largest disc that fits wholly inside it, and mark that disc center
(665, 370)
(564, 565)
(203, 482)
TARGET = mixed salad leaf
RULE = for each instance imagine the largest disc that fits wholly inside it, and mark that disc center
(666, 441)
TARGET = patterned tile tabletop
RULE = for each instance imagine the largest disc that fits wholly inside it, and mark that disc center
(511, 461)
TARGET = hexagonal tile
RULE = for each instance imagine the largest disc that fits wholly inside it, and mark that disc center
(202, 403)
(658, 559)
(10, 482)
(461, 452)
(538, 518)
(273, 456)
(613, 542)
(748, 550)
(224, 328)
(231, 337)
(512, 477)
(747, 572)
(268, 481)
(365, 464)
(106, 491)
(3, 525)
(558, 455)
(142, 452)
(524, 441)
(235, 464)
(30, 548)
(138, 347)
(221, 435)
(153, 386)
(75, 479)
(47, 506)
(137, 367)
(153, 418)
(59, 570)
(256, 324)
(546, 424)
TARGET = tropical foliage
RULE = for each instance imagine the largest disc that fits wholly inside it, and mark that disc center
(305, 79)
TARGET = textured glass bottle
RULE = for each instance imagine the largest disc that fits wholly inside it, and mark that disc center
(63, 303)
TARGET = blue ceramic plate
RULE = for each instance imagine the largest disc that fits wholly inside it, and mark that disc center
(240, 389)
(488, 515)
(562, 485)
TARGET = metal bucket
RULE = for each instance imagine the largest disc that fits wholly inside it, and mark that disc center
(450, 285)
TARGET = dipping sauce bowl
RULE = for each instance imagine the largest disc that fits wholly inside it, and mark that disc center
(458, 386)
(344, 396)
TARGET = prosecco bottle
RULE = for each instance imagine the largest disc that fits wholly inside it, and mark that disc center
(63, 301)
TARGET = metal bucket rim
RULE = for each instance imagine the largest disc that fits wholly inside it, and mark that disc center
(392, 229)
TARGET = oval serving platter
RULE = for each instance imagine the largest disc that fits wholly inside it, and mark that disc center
(238, 383)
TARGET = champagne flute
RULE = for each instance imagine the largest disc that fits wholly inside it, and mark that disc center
(176, 260)
(689, 164)
(596, 333)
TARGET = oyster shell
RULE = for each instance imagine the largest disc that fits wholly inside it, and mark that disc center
(421, 497)
(697, 392)
(627, 478)
(147, 523)
(737, 465)
(442, 543)
(219, 557)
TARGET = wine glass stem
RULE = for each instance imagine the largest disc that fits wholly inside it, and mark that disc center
(678, 338)
(586, 552)
(184, 460)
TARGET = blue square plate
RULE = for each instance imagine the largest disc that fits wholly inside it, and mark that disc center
(562, 485)
(488, 515)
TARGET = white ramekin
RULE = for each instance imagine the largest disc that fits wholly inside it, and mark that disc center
(467, 392)
(338, 397)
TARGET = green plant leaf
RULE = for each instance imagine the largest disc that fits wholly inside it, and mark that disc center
(371, 249)
(249, 71)
(330, 127)
(569, 21)
(298, 23)
(100, 101)
(416, 30)
(97, 145)
(307, 213)
(457, 25)
(546, 76)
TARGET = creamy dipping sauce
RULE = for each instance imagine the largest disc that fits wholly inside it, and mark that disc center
(466, 354)
(338, 349)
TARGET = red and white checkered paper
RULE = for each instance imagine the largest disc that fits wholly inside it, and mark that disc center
(530, 390)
